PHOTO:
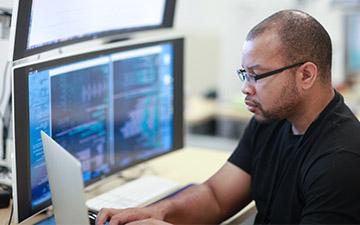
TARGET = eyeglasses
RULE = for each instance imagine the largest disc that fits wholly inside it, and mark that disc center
(244, 76)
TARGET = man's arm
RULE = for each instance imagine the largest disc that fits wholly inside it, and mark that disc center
(213, 201)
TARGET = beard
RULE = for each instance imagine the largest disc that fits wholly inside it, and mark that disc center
(283, 107)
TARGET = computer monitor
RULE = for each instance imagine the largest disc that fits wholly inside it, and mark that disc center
(43, 25)
(111, 108)
(352, 44)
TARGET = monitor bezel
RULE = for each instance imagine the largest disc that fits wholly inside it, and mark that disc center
(22, 24)
(21, 179)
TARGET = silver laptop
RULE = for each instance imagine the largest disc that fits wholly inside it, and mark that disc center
(66, 184)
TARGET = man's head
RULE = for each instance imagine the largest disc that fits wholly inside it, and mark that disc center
(286, 38)
(302, 37)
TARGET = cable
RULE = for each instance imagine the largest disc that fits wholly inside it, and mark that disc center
(11, 214)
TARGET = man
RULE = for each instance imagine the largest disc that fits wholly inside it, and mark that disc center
(299, 158)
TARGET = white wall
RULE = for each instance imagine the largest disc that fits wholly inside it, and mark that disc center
(332, 19)
(7, 4)
(216, 30)
(199, 21)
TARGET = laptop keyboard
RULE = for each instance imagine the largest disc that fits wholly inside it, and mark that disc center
(137, 193)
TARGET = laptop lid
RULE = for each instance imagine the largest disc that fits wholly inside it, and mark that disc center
(66, 183)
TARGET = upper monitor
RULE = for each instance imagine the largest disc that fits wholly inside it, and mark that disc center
(42, 25)
(110, 108)
(353, 44)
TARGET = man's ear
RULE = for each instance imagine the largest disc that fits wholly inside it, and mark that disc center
(307, 75)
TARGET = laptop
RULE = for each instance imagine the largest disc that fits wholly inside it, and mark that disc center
(66, 184)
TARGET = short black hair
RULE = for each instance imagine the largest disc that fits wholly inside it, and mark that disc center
(303, 39)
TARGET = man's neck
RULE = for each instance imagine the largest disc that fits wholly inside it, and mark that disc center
(311, 109)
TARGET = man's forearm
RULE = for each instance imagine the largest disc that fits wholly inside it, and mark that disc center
(196, 204)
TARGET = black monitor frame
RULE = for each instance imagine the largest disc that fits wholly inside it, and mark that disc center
(22, 26)
(21, 173)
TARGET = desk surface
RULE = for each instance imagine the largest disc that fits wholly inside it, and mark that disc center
(189, 165)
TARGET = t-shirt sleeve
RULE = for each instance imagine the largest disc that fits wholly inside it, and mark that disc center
(241, 157)
(332, 190)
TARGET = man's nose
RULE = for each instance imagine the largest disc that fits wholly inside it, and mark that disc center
(247, 88)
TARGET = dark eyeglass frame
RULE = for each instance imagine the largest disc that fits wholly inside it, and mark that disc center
(243, 75)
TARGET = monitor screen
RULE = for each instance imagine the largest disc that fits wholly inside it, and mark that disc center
(42, 25)
(111, 109)
(353, 44)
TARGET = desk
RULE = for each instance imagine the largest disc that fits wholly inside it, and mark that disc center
(185, 166)
(200, 110)
(216, 118)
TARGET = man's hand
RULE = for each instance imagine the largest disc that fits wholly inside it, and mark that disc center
(150, 221)
(208, 203)
(125, 216)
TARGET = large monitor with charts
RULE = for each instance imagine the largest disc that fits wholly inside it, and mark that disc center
(42, 25)
(110, 108)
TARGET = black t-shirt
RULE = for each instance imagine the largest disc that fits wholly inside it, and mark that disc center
(306, 179)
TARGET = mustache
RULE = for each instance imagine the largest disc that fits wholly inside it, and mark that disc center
(247, 99)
